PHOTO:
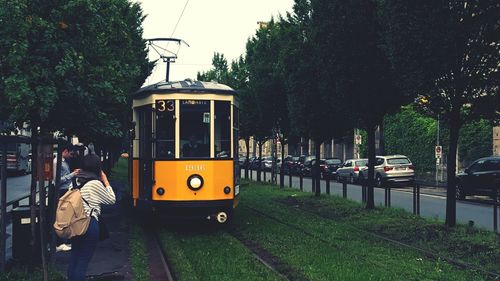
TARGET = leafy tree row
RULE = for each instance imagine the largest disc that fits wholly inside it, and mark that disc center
(70, 65)
(330, 66)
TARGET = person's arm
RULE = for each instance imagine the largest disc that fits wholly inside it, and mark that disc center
(108, 196)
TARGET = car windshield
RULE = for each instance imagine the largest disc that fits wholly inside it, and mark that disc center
(396, 161)
(361, 163)
(333, 161)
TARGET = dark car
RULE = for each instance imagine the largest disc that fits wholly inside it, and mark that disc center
(330, 167)
(482, 177)
(304, 164)
(287, 164)
(254, 163)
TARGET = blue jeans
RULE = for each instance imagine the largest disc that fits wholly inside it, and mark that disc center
(82, 249)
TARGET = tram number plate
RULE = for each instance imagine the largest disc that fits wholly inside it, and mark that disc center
(165, 105)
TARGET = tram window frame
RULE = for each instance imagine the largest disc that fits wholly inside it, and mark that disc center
(188, 111)
(165, 111)
(222, 129)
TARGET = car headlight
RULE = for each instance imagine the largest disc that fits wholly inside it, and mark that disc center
(195, 182)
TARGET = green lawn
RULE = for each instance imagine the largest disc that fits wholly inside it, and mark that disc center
(333, 248)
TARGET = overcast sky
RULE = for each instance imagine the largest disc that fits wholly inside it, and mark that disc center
(208, 26)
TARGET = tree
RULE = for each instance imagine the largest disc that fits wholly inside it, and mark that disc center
(220, 71)
(64, 56)
(447, 53)
(265, 84)
(69, 66)
(357, 66)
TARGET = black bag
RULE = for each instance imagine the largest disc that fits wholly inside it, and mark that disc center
(103, 229)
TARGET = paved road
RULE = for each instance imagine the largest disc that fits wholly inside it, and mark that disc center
(432, 205)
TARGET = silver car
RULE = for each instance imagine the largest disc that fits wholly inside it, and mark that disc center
(392, 169)
(349, 171)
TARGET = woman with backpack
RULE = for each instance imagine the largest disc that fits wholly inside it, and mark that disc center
(95, 190)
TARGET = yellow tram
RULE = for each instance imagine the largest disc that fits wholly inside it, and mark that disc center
(185, 150)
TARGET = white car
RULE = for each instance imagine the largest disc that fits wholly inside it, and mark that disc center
(392, 169)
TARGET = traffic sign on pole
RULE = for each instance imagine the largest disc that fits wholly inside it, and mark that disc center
(439, 151)
(357, 139)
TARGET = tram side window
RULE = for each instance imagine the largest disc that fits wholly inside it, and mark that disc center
(165, 129)
(222, 129)
(195, 128)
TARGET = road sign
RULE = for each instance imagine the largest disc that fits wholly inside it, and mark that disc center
(439, 151)
(357, 139)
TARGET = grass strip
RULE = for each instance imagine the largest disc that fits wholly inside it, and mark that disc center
(463, 243)
(211, 255)
(21, 273)
(138, 254)
(348, 256)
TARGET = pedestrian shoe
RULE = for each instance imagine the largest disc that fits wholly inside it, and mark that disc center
(63, 248)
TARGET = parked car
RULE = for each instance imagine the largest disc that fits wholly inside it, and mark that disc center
(242, 160)
(303, 161)
(294, 165)
(309, 166)
(267, 163)
(254, 163)
(287, 164)
(392, 169)
(330, 167)
(349, 171)
(482, 177)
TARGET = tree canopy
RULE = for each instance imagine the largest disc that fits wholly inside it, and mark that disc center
(71, 65)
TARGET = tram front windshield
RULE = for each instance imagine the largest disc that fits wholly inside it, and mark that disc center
(195, 128)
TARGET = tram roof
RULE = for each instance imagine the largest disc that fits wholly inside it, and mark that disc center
(185, 86)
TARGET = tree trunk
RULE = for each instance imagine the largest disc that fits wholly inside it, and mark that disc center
(247, 161)
(316, 171)
(451, 203)
(370, 202)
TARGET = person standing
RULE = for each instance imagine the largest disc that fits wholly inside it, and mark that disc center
(96, 191)
(65, 183)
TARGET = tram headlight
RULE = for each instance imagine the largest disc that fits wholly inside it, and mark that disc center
(195, 182)
(227, 189)
(160, 191)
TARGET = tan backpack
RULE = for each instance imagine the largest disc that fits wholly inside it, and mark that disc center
(71, 219)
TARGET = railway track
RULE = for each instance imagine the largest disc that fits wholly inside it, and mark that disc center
(159, 268)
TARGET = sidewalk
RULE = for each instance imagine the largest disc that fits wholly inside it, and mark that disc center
(111, 258)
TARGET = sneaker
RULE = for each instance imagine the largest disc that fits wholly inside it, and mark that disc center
(63, 248)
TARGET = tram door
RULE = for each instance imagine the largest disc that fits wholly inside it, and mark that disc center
(145, 152)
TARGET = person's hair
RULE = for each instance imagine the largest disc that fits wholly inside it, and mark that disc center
(92, 163)
(65, 145)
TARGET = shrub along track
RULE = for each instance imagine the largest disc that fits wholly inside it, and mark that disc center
(291, 201)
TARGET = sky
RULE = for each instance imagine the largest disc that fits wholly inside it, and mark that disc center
(208, 26)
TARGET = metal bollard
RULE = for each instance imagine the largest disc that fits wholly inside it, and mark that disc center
(344, 189)
(301, 182)
(414, 199)
(418, 199)
(389, 196)
(290, 179)
(313, 186)
(264, 172)
(363, 193)
(327, 186)
(495, 216)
